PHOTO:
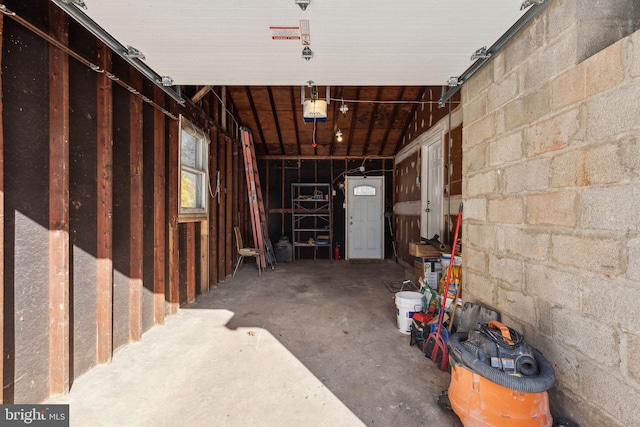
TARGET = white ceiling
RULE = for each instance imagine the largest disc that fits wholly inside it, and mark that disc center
(354, 42)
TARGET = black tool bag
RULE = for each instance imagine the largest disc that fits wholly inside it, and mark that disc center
(419, 334)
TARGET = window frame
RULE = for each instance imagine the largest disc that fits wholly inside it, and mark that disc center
(201, 170)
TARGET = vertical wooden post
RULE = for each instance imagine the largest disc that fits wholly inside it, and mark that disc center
(173, 239)
(105, 209)
(191, 261)
(213, 211)
(222, 209)
(229, 224)
(59, 367)
(204, 256)
(159, 187)
(136, 240)
(2, 356)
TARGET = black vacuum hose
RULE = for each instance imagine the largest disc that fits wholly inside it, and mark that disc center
(532, 384)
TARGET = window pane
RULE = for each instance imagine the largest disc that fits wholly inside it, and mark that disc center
(364, 190)
(191, 190)
(189, 150)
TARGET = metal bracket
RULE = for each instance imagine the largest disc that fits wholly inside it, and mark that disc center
(78, 3)
(481, 54)
(134, 53)
(527, 3)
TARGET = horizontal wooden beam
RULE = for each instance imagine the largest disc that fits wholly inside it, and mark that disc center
(201, 93)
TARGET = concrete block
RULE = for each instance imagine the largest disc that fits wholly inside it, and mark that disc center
(481, 183)
(568, 88)
(522, 307)
(480, 236)
(480, 131)
(560, 287)
(475, 260)
(559, 55)
(611, 208)
(610, 392)
(619, 298)
(479, 81)
(475, 109)
(630, 157)
(631, 356)
(597, 34)
(478, 287)
(569, 169)
(509, 270)
(474, 159)
(605, 70)
(525, 45)
(613, 112)
(634, 55)
(600, 255)
(529, 108)
(595, 340)
(558, 209)
(498, 66)
(475, 209)
(502, 91)
(633, 259)
(553, 134)
(532, 176)
(506, 149)
(564, 360)
(508, 210)
(529, 244)
(604, 164)
(561, 16)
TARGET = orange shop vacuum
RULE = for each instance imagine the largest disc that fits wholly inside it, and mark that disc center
(497, 379)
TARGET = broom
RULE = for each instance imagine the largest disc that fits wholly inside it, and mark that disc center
(435, 347)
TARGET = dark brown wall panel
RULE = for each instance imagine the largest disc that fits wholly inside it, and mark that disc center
(456, 160)
(406, 173)
(148, 217)
(26, 162)
(83, 204)
(121, 206)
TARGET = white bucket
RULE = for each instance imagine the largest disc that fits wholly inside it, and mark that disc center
(407, 304)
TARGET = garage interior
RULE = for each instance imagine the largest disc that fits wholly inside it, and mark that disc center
(118, 244)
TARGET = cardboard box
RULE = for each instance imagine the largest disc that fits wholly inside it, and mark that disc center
(423, 250)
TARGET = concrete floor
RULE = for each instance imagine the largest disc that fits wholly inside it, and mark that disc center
(312, 343)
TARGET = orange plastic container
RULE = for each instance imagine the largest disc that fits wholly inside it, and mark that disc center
(479, 402)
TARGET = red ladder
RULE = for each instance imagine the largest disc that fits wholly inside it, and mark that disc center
(258, 216)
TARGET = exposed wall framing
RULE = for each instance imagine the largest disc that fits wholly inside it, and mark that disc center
(91, 255)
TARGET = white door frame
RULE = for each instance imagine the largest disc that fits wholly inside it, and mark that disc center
(347, 212)
(435, 138)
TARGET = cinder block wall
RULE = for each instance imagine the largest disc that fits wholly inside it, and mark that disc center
(551, 185)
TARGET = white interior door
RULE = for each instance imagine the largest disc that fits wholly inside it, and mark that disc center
(365, 217)
(431, 218)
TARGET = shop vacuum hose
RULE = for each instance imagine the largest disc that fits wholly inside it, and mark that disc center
(526, 384)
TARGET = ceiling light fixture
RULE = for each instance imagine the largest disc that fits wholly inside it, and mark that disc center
(339, 135)
(344, 108)
(303, 3)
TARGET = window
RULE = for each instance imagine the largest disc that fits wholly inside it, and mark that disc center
(364, 190)
(194, 175)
